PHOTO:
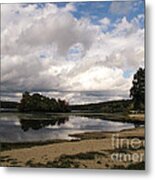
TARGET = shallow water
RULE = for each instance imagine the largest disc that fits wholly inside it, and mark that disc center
(15, 127)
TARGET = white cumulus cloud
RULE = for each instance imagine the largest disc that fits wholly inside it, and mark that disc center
(50, 51)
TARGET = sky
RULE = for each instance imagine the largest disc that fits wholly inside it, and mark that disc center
(84, 52)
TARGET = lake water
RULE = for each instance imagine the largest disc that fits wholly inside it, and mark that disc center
(16, 127)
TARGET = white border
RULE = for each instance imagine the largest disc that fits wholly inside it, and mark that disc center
(68, 174)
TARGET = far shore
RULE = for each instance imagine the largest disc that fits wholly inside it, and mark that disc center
(119, 117)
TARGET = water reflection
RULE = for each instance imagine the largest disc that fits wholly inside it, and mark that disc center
(17, 127)
(26, 124)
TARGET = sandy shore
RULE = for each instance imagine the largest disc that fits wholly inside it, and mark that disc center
(94, 150)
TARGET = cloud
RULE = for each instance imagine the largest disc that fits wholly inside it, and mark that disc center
(70, 7)
(121, 8)
(82, 97)
(105, 22)
(49, 50)
(57, 28)
(122, 48)
(60, 30)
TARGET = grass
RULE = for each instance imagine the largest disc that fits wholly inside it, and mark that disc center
(83, 156)
(67, 161)
(20, 145)
(60, 163)
(12, 162)
(71, 161)
(63, 163)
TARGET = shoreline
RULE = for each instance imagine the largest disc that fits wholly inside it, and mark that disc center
(93, 150)
(7, 146)
(119, 117)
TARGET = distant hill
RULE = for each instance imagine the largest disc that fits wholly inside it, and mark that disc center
(107, 107)
(8, 104)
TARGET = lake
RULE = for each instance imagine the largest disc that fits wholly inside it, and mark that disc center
(17, 127)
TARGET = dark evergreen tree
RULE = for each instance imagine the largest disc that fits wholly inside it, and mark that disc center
(137, 91)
